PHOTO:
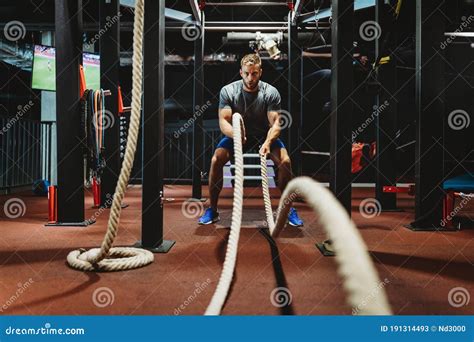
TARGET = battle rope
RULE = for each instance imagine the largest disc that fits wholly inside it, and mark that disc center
(218, 299)
(106, 258)
(365, 292)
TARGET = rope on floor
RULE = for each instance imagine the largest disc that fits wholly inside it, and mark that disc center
(220, 295)
(365, 293)
(106, 258)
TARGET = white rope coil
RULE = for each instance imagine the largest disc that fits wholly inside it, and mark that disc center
(106, 258)
(218, 299)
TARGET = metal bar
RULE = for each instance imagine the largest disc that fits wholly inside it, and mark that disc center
(128, 27)
(294, 95)
(316, 153)
(341, 90)
(459, 34)
(246, 28)
(386, 120)
(178, 15)
(153, 128)
(296, 11)
(68, 16)
(406, 145)
(109, 79)
(198, 101)
(430, 107)
(50, 152)
(247, 3)
(210, 23)
(196, 10)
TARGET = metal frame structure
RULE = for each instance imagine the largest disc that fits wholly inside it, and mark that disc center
(109, 79)
(342, 107)
(70, 200)
(386, 122)
(430, 107)
(198, 101)
(295, 94)
(153, 122)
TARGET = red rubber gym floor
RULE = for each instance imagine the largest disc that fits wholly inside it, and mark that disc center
(418, 269)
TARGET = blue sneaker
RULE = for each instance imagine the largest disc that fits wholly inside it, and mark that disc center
(293, 218)
(210, 216)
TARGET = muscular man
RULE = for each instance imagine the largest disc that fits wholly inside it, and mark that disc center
(259, 104)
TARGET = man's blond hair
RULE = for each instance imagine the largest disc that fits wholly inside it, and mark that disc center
(251, 58)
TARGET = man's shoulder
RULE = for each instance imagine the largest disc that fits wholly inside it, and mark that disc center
(232, 87)
(268, 88)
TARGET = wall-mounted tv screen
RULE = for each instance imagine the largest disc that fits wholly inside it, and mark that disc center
(91, 65)
(44, 69)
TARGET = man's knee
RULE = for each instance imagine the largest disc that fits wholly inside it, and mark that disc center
(284, 163)
(220, 158)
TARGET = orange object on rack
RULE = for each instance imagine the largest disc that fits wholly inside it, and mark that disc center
(82, 78)
(120, 100)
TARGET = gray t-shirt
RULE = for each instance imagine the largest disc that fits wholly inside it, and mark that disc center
(252, 106)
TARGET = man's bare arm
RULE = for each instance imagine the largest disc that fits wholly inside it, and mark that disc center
(225, 121)
(275, 129)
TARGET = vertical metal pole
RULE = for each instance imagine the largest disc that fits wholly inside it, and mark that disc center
(341, 90)
(109, 79)
(386, 119)
(68, 17)
(430, 86)
(153, 128)
(198, 101)
(294, 94)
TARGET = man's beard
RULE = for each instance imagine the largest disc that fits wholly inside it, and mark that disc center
(251, 86)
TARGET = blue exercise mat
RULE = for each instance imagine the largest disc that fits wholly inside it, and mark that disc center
(460, 183)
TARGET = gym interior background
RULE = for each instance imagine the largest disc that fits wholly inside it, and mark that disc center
(377, 104)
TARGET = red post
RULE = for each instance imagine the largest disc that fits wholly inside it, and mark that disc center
(96, 192)
(448, 208)
(52, 204)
